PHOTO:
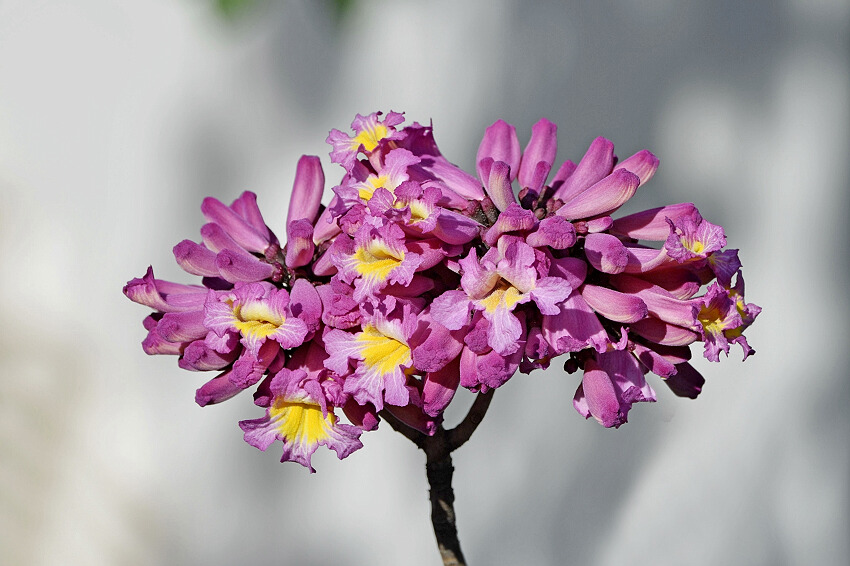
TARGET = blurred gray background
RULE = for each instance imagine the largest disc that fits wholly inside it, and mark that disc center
(116, 118)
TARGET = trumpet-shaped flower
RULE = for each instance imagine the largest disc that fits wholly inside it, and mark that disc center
(257, 312)
(693, 238)
(375, 258)
(300, 415)
(382, 356)
(723, 315)
(370, 131)
(496, 289)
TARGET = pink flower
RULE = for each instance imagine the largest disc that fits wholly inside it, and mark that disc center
(256, 312)
(300, 415)
(381, 354)
(370, 135)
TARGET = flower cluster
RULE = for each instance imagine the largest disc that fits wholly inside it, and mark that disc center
(419, 277)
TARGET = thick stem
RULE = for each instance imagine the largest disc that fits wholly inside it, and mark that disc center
(439, 474)
(439, 470)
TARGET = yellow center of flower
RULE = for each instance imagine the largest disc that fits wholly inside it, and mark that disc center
(255, 318)
(301, 422)
(712, 320)
(695, 247)
(381, 352)
(369, 138)
(371, 185)
(418, 212)
(503, 295)
(377, 260)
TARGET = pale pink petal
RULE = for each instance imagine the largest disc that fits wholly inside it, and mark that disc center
(505, 331)
(499, 185)
(548, 292)
(452, 309)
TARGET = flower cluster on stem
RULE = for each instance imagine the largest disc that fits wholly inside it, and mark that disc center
(418, 278)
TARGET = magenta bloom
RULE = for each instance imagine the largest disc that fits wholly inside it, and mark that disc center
(381, 354)
(256, 312)
(418, 278)
(370, 133)
(301, 416)
(377, 257)
(496, 288)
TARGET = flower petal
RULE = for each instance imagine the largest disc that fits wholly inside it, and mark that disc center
(541, 148)
(500, 143)
(603, 197)
(593, 167)
(306, 190)
(613, 305)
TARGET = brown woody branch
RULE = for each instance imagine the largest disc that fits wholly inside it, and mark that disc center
(439, 470)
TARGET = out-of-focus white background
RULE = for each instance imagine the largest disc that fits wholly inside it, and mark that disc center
(116, 118)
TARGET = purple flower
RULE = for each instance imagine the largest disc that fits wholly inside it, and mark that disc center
(609, 388)
(304, 205)
(723, 315)
(381, 353)
(237, 244)
(364, 186)
(370, 132)
(693, 238)
(257, 312)
(375, 258)
(300, 415)
(496, 289)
